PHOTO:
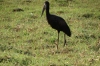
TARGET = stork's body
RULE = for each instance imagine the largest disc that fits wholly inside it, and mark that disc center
(56, 22)
(59, 24)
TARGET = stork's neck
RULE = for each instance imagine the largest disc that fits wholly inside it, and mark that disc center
(47, 11)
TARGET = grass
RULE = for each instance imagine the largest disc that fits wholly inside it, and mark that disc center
(26, 39)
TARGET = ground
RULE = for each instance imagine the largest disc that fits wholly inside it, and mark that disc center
(26, 39)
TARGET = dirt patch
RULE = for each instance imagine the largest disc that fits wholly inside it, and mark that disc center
(17, 10)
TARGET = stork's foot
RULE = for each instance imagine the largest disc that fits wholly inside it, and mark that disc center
(65, 43)
(56, 43)
(56, 46)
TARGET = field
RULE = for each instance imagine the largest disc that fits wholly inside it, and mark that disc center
(26, 39)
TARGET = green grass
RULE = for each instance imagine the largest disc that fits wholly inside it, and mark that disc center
(26, 39)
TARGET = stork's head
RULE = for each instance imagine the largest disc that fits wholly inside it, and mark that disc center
(46, 6)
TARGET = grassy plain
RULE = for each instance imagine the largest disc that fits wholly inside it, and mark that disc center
(26, 39)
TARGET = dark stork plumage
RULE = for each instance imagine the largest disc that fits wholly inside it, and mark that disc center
(56, 22)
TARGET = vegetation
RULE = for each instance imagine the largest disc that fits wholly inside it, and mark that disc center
(26, 39)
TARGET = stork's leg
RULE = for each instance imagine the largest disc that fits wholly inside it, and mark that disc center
(58, 39)
(64, 39)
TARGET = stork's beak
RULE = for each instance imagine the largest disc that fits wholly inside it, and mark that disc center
(43, 10)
